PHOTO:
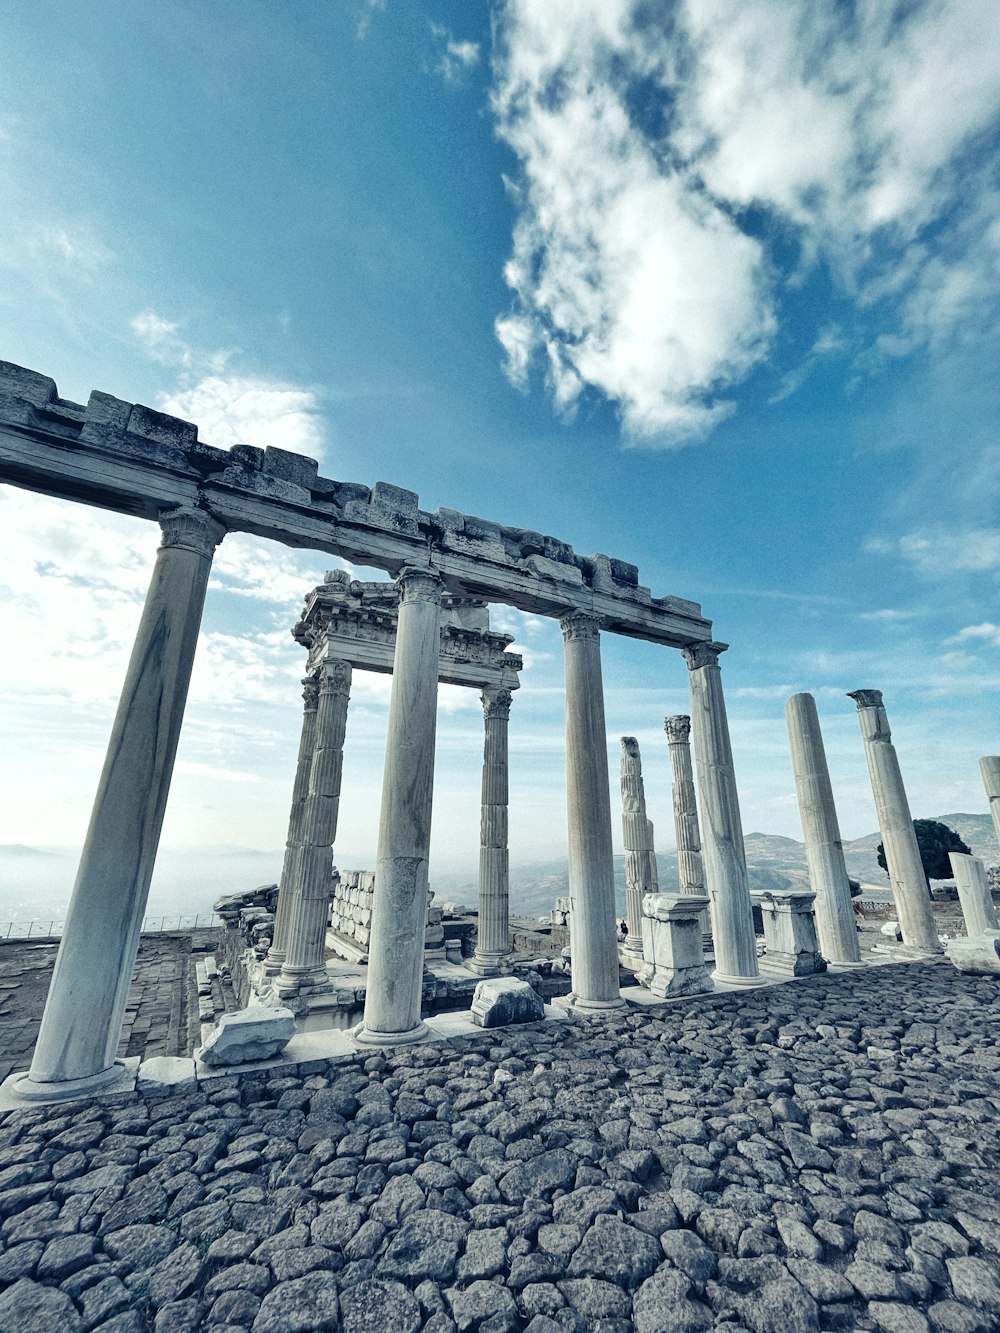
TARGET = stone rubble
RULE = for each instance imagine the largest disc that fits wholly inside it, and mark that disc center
(819, 1157)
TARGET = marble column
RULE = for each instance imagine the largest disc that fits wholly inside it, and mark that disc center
(636, 832)
(81, 1025)
(989, 766)
(300, 788)
(593, 933)
(311, 883)
(399, 906)
(902, 855)
(690, 871)
(974, 894)
(835, 924)
(723, 855)
(493, 941)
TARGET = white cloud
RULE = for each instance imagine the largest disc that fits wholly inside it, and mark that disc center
(987, 632)
(941, 550)
(457, 57)
(644, 136)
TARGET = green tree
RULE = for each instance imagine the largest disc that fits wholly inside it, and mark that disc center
(935, 840)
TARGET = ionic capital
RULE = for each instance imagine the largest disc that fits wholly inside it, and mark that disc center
(678, 729)
(866, 698)
(191, 530)
(699, 655)
(496, 702)
(580, 625)
(419, 585)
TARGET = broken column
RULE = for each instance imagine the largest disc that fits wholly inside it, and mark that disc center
(81, 1025)
(835, 924)
(674, 961)
(690, 871)
(790, 943)
(293, 843)
(311, 885)
(989, 766)
(593, 936)
(902, 855)
(399, 906)
(493, 939)
(723, 855)
(974, 893)
(639, 854)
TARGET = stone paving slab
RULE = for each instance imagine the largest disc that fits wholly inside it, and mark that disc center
(816, 1157)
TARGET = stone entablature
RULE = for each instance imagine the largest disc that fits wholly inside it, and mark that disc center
(134, 460)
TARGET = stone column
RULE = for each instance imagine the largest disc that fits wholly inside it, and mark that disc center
(902, 855)
(989, 766)
(724, 858)
(838, 933)
(311, 881)
(974, 894)
(81, 1025)
(593, 934)
(399, 907)
(690, 871)
(300, 788)
(636, 831)
(493, 941)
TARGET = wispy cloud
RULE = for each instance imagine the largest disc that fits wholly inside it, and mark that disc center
(940, 550)
(987, 633)
(457, 57)
(663, 151)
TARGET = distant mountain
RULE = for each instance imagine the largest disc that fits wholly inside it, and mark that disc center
(19, 849)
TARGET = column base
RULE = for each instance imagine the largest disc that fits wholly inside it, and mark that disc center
(489, 964)
(630, 956)
(574, 1004)
(308, 981)
(724, 979)
(366, 1037)
(22, 1090)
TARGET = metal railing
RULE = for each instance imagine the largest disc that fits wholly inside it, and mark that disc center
(151, 925)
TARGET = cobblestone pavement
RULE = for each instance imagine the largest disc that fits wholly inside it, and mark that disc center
(155, 1015)
(821, 1155)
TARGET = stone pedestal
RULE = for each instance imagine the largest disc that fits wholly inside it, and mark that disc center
(902, 855)
(789, 932)
(492, 956)
(723, 855)
(673, 959)
(399, 907)
(293, 843)
(989, 766)
(310, 883)
(835, 923)
(593, 936)
(690, 871)
(640, 858)
(83, 1015)
(974, 893)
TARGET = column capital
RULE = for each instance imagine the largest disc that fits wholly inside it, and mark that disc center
(866, 698)
(630, 747)
(580, 625)
(334, 676)
(191, 530)
(418, 584)
(310, 690)
(678, 728)
(703, 654)
(496, 702)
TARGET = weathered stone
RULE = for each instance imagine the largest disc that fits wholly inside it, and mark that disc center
(29, 1307)
(303, 1305)
(661, 1305)
(615, 1251)
(482, 1301)
(499, 1001)
(978, 955)
(375, 1306)
(248, 1035)
(976, 1282)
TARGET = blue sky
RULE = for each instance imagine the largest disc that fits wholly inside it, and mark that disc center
(717, 296)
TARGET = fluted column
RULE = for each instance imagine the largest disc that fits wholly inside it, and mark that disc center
(399, 907)
(593, 934)
(974, 894)
(989, 766)
(293, 843)
(902, 854)
(83, 1015)
(493, 940)
(690, 871)
(311, 882)
(835, 925)
(636, 833)
(723, 855)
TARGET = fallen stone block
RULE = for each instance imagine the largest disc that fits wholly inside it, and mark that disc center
(501, 1000)
(978, 954)
(248, 1034)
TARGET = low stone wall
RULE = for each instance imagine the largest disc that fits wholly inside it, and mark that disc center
(351, 909)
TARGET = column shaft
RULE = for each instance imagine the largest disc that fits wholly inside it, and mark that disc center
(724, 858)
(835, 925)
(493, 941)
(637, 836)
(690, 871)
(593, 941)
(989, 766)
(902, 854)
(83, 1014)
(974, 893)
(399, 907)
(300, 789)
